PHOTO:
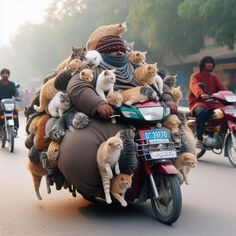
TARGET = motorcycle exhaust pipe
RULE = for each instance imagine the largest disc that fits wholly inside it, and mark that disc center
(153, 185)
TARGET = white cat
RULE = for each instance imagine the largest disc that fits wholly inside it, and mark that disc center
(92, 59)
(159, 82)
(105, 83)
(59, 104)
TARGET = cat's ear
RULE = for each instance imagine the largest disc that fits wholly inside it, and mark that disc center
(155, 64)
(106, 72)
(118, 135)
(123, 24)
(144, 53)
(175, 76)
(113, 70)
(179, 87)
(73, 48)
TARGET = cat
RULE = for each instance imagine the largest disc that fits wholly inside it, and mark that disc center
(55, 129)
(86, 75)
(48, 90)
(146, 75)
(115, 99)
(119, 185)
(129, 46)
(92, 59)
(138, 94)
(53, 151)
(39, 141)
(50, 76)
(37, 172)
(172, 123)
(107, 157)
(170, 80)
(103, 31)
(77, 53)
(29, 141)
(177, 94)
(32, 124)
(105, 83)
(137, 57)
(30, 109)
(184, 163)
(34, 155)
(59, 104)
(78, 120)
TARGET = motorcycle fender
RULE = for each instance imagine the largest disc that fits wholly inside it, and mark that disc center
(167, 168)
(10, 122)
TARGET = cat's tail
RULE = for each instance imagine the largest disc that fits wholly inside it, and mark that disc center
(37, 172)
(39, 108)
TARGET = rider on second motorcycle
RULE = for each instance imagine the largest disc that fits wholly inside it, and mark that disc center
(201, 109)
(8, 90)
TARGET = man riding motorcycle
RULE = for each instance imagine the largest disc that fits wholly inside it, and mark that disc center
(201, 109)
(8, 90)
(78, 149)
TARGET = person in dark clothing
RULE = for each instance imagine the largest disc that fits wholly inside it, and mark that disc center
(201, 109)
(8, 90)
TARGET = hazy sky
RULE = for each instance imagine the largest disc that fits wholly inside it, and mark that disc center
(13, 13)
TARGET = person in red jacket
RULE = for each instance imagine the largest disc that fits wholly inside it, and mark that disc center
(198, 105)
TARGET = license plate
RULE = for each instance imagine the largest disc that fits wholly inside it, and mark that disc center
(157, 136)
(163, 154)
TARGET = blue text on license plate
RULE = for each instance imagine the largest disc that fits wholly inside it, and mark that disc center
(157, 135)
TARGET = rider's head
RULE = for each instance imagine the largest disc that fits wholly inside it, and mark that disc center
(207, 63)
(5, 73)
(113, 45)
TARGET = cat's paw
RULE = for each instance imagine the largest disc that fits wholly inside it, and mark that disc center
(108, 200)
(128, 103)
(117, 169)
(124, 204)
(110, 174)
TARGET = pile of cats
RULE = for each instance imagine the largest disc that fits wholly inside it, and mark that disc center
(51, 114)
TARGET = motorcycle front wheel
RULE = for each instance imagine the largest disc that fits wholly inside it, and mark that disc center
(231, 150)
(10, 138)
(167, 207)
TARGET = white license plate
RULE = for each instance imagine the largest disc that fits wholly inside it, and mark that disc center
(10, 122)
(163, 154)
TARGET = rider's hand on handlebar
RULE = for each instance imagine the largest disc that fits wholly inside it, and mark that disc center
(205, 96)
(105, 111)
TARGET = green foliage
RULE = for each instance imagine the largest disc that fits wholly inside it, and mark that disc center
(218, 17)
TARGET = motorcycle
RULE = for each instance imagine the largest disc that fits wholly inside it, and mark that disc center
(156, 176)
(7, 131)
(220, 130)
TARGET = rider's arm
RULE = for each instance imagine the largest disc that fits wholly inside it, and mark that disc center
(194, 87)
(83, 96)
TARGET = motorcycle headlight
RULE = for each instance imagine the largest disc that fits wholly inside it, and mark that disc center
(9, 106)
(153, 113)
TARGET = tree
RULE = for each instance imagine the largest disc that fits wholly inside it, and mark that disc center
(218, 18)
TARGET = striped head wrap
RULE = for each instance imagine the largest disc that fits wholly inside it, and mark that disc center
(110, 44)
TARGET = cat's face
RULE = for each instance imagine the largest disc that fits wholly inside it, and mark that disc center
(152, 69)
(78, 53)
(75, 65)
(125, 181)
(109, 76)
(86, 75)
(129, 46)
(115, 99)
(140, 56)
(65, 99)
(190, 160)
(115, 142)
(170, 80)
(122, 27)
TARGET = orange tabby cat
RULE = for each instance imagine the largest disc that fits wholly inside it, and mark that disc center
(86, 75)
(39, 140)
(48, 90)
(34, 125)
(103, 31)
(184, 163)
(119, 185)
(138, 94)
(115, 99)
(172, 123)
(146, 74)
(37, 172)
(77, 53)
(107, 157)
(53, 151)
(177, 94)
(137, 57)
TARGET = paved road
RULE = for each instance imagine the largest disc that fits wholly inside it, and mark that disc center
(209, 205)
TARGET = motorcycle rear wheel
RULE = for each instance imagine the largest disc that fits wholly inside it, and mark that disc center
(231, 150)
(167, 207)
(11, 139)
